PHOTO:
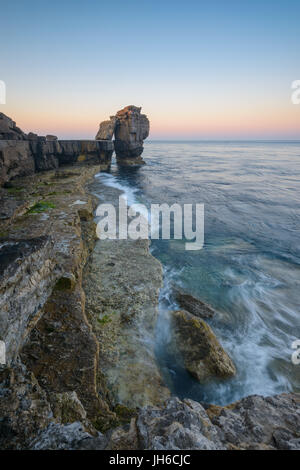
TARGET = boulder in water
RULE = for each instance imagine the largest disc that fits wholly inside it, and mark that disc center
(203, 356)
(192, 304)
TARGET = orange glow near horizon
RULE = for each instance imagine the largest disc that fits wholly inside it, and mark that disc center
(252, 121)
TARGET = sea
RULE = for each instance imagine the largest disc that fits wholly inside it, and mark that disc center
(248, 269)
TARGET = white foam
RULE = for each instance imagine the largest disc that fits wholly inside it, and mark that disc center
(111, 181)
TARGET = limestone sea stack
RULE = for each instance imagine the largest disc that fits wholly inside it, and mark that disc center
(130, 128)
(106, 129)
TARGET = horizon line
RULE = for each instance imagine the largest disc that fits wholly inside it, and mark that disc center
(222, 140)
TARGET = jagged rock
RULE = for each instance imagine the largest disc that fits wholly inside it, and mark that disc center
(58, 437)
(132, 128)
(16, 160)
(253, 423)
(192, 304)
(67, 407)
(106, 129)
(9, 130)
(24, 409)
(32, 136)
(261, 423)
(201, 352)
(179, 425)
(51, 138)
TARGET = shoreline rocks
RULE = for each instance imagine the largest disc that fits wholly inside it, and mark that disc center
(121, 284)
(193, 305)
(253, 423)
(202, 354)
(23, 155)
(78, 324)
(45, 240)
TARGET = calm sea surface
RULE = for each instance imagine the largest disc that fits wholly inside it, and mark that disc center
(249, 267)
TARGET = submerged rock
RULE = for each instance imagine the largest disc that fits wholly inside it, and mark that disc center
(192, 304)
(202, 354)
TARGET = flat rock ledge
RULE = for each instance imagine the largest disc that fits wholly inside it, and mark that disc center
(25, 154)
(47, 233)
(121, 283)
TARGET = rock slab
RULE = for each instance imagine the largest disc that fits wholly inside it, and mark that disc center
(202, 354)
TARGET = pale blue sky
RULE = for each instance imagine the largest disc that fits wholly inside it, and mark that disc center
(217, 69)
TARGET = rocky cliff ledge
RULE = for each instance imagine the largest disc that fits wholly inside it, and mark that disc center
(77, 320)
(24, 154)
(77, 316)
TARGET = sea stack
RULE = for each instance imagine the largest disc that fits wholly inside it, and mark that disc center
(130, 128)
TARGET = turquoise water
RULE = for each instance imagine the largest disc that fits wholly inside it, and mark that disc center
(249, 267)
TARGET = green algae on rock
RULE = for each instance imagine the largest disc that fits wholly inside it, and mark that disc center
(41, 207)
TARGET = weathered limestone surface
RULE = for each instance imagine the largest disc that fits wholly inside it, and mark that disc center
(46, 154)
(253, 423)
(88, 151)
(16, 159)
(121, 283)
(46, 234)
(9, 129)
(24, 409)
(22, 155)
(202, 354)
(106, 129)
(192, 304)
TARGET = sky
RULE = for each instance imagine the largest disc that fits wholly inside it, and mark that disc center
(200, 69)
